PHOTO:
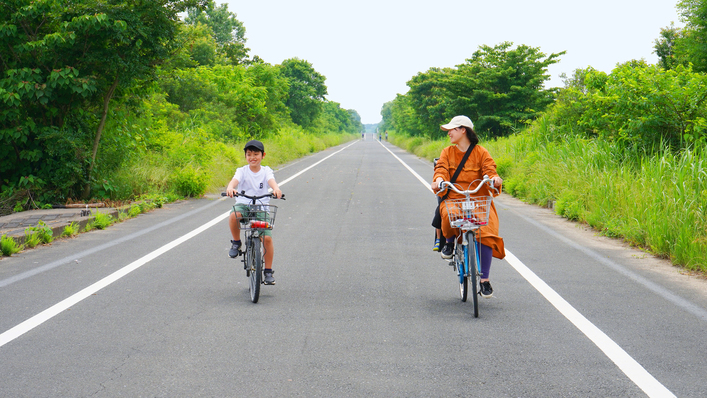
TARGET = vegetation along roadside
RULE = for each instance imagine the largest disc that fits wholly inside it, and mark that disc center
(104, 102)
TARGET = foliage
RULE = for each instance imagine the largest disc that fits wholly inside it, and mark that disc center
(189, 181)
(227, 31)
(101, 220)
(692, 41)
(500, 88)
(637, 105)
(44, 233)
(71, 230)
(60, 65)
(8, 246)
(670, 48)
(32, 238)
(306, 90)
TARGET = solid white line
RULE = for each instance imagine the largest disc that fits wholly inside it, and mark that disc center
(644, 380)
(298, 174)
(67, 303)
(422, 180)
(639, 375)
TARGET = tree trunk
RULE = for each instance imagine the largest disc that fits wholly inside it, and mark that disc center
(97, 140)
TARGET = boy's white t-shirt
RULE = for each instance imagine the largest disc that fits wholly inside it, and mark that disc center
(254, 184)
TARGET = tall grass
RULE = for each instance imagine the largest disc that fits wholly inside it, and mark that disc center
(194, 164)
(655, 201)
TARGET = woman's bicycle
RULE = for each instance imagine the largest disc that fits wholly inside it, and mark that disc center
(259, 217)
(468, 214)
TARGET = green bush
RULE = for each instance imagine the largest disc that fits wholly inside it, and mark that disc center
(71, 230)
(101, 221)
(8, 246)
(189, 181)
(32, 238)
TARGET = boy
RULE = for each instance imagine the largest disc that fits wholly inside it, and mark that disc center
(254, 179)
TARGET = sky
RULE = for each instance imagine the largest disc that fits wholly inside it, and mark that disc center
(368, 50)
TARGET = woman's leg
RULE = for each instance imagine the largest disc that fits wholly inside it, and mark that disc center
(486, 255)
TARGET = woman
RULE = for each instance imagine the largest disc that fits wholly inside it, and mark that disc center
(479, 163)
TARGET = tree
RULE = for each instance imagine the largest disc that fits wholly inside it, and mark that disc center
(502, 88)
(228, 31)
(60, 67)
(694, 14)
(667, 47)
(307, 90)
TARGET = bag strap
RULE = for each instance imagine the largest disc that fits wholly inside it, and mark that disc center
(460, 167)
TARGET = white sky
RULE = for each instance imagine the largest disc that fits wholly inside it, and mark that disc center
(368, 50)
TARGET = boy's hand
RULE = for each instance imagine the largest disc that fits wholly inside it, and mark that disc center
(277, 192)
(231, 192)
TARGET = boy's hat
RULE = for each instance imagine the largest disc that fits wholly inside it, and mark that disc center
(457, 121)
(254, 144)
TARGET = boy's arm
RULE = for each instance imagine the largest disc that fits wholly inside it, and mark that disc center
(275, 188)
(231, 188)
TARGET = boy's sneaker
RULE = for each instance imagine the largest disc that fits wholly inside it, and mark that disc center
(486, 290)
(448, 250)
(435, 248)
(269, 280)
(235, 249)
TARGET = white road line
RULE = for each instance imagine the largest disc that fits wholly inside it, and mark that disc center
(63, 305)
(639, 375)
(422, 180)
(644, 380)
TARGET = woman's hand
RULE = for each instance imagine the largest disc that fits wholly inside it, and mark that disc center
(497, 181)
(435, 185)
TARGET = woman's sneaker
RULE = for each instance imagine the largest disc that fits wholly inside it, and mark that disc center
(448, 250)
(269, 280)
(486, 290)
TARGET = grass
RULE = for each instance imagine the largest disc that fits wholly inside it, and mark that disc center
(9, 246)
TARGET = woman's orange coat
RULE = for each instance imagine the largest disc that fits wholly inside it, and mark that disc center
(478, 164)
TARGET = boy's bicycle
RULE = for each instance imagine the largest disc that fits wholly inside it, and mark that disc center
(258, 218)
(468, 214)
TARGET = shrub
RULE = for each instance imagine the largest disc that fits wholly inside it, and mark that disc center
(71, 230)
(101, 221)
(189, 181)
(8, 246)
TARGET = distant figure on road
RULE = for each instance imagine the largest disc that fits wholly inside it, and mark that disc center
(386, 135)
(479, 163)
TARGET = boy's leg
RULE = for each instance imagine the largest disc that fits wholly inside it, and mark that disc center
(235, 227)
(269, 251)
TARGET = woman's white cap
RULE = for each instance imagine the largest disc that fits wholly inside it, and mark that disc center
(458, 121)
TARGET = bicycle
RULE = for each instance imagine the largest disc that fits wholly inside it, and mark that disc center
(468, 214)
(259, 217)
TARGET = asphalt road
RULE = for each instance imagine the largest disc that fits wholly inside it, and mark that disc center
(153, 307)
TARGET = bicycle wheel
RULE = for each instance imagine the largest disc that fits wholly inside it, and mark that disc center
(459, 258)
(471, 256)
(256, 270)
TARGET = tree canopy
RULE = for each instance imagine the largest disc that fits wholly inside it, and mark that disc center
(501, 88)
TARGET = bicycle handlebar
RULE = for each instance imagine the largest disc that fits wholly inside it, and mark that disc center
(485, 180)
(267, 195)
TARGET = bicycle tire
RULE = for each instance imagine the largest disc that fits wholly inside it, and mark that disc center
(471, 256)
(256, 271)
(461, 271)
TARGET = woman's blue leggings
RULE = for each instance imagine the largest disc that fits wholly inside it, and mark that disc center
(485, 256)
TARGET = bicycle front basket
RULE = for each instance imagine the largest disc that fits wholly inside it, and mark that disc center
(260, 216)
(469, 213)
